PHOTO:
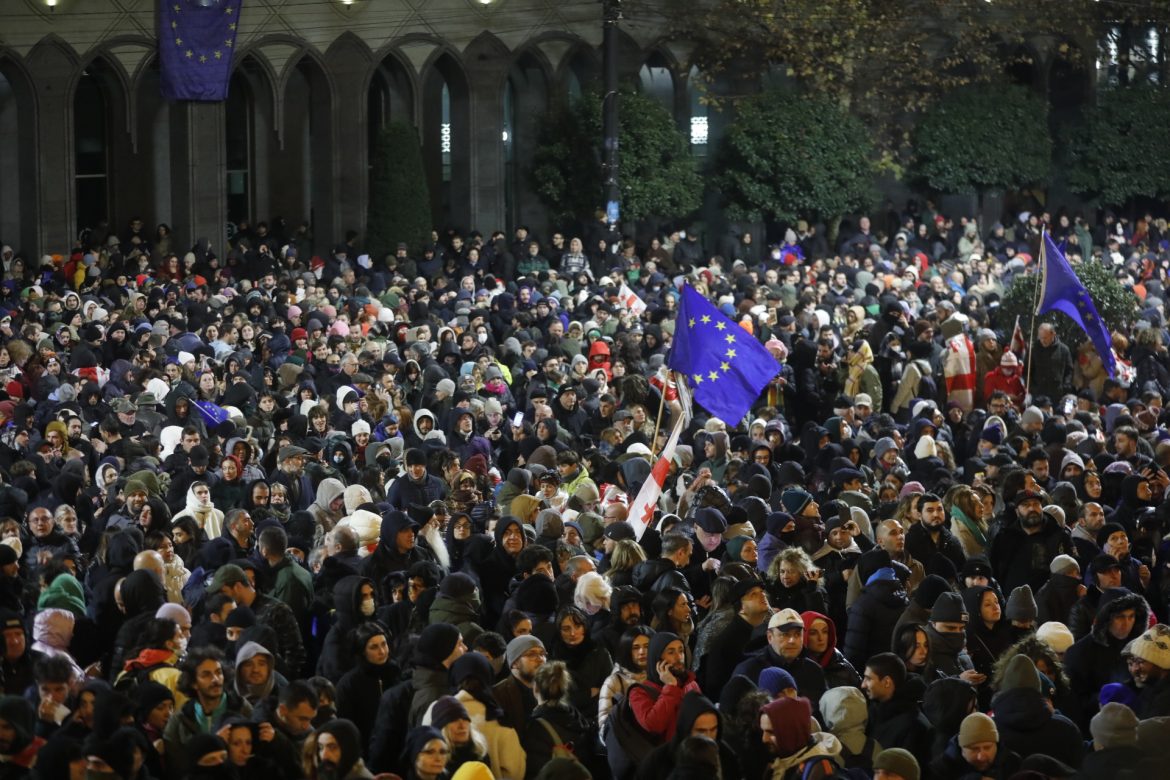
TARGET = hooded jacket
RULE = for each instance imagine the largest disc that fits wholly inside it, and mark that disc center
(386, 558)
(845, 715)
(328, 491)
(838, 670)
(255, 694)
(1095, 660)
(656, 706)
(661, 762)
(494, 568)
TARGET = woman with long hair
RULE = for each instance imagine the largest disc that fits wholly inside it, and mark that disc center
(673, 611)
(587, 661)
(629, 669)
(473, 677)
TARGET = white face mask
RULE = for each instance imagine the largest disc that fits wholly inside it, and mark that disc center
(481, 338)
(181, 646)
(367, 607)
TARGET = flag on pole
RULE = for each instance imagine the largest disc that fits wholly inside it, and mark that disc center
(725, 366)
(631, 301)
(212, 414)
(1019, 345)
(1061, 290)
(641, 511)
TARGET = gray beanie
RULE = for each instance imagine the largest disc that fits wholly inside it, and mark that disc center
(522, 644)
(446, 385)
(1114, 726)
(549, 524)
(1021, 605)
(1031, 415)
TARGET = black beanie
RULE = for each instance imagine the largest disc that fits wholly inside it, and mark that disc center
(149, 695)
(457, 585)
(929, 590)
(435, 643)
(949, 608)
(415, 458)
(8, 555)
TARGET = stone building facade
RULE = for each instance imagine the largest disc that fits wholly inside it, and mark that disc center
(85, 136)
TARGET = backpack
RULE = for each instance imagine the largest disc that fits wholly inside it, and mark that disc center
(862, 759)
(822, 768)
(128, 682)
(560, 749)
(627, 743)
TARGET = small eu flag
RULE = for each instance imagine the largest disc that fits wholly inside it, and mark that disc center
(196, 39)
(1062, 291)
(724, 365)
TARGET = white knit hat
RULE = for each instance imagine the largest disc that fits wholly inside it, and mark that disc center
(1056, 635)
(1152, 646)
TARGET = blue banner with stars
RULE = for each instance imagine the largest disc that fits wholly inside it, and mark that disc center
(195, 45)
(724, 365)
(1062, 291)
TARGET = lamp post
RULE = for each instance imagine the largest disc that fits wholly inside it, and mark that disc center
(611, 15)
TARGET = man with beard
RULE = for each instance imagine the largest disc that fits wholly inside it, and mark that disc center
(338, 754)
(1022, 550)
(292, 723)
(524, 655)
(703, 567)
(211, 703)
(932, 534)
(291, 474)
(1148, 660)
(625, 611)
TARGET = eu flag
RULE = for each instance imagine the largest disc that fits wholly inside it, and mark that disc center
(195, 43)
(1061, 290)
(724, 365)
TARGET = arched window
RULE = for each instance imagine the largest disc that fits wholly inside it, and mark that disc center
(91, 149)
(656, 81)
(238, 148)
(699, 125)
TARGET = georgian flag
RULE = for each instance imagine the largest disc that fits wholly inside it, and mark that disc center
(641, 512)
(631, 301)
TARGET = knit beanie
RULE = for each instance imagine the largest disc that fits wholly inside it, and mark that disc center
(794, 500)
(549, 524)
(790, 724)
(457, 585)
(1020, 673)
(928, 591)
(977, 728)
(447, 709)
(519, 646)
(774, 679)
(435, 643)
(1118, 692)
(949, 608)
(1152, 646)
(899, 762)
(1032, 415)
(1056, 635)
(1021, 606)
(1064, 564)
(1106, 531)
(1114, 726)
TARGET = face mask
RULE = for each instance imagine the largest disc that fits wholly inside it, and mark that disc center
(367, 607)
(481, 338)
(338, 459)
(181, 646)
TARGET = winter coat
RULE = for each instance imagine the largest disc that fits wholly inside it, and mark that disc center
(615, 687)
(337, 652)
(923, 547)
(571, 727)
(505, 755)
(824, 745)
(1052, 370)
(872, 618)
(1056, 599)
(658, 715)
(809, 677)
(899, 723)
(386, 559)
(1026, 725)
(845, 714)
(1096, 660)
(463, 613)
(494, 568)
(404, 491)
(359, 692)
(293, 585)
(589, 664)
(1019, 558)
(290, 650)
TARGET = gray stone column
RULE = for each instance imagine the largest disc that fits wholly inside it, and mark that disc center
(54, 71)
(488, 63)
(198, 162)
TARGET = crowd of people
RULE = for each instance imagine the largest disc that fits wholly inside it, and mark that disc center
(270, 514)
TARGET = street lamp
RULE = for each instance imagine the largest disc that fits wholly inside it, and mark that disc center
(611, 15)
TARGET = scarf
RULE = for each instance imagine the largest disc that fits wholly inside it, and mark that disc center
(859, 360)
(970, 525)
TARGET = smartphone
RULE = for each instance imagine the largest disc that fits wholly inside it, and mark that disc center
(518, 420)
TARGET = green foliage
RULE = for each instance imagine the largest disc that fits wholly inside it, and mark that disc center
(400, 201)
(1122, 147)
(981, 138)
(791, 156)
(1116, 304)
(658, 175)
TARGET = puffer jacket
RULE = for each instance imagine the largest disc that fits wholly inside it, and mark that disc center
(872, 619)
(845, 713)
(1095, 660)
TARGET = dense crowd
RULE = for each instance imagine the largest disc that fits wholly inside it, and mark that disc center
(269, 514)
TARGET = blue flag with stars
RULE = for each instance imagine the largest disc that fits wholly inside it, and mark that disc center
(724, 365)
(196, 39)
(1061, 290)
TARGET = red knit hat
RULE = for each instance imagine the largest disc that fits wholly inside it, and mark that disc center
(791, 731)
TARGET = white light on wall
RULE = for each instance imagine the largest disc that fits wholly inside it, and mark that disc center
(505, 136)
(445, 138)
(51, 3)
(699, 130)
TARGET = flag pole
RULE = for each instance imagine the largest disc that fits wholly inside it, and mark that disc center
(1043, 259)
(658, 422)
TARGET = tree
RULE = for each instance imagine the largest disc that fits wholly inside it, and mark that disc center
(984, 138)
(885, 60)
(788, 156)
(658, 174)
(1117, 305)
(1121, 148)
(400, 201)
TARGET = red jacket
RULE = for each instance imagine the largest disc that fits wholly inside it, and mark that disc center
(1012, 385)
(660, 716)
